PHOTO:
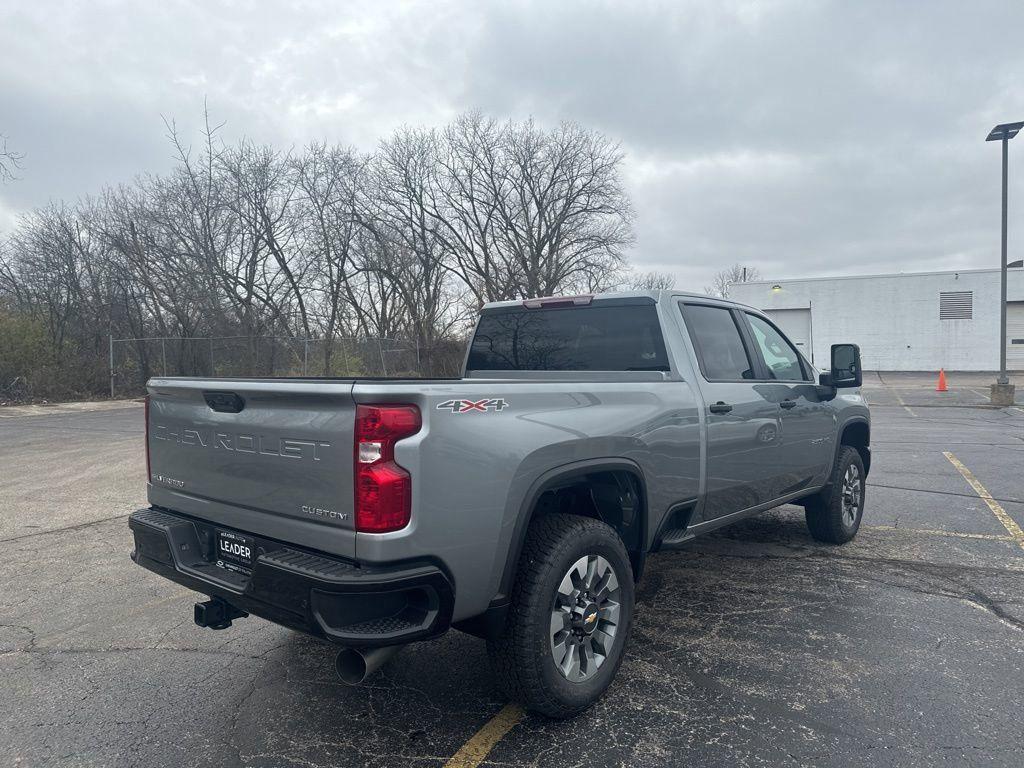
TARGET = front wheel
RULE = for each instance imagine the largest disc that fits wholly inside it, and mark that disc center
(834, 514)
(570, 616)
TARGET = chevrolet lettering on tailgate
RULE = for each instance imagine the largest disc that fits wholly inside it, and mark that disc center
(284, 447)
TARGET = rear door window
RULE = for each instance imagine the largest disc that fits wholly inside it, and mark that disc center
(581, 338)
(716, 337)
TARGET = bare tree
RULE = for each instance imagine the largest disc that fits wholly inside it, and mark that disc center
(651, 281)
(402, 216)
(246, 241)
(331, 181)
(726, 278)
(513, 210)
(264, 196)
(563, 211)
(199, 208)
(10, 286)
(10, 161)
(464, 204)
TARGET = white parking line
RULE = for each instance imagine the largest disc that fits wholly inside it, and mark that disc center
(900, 401)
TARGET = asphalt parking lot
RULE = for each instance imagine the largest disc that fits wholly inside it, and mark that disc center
(755, 646)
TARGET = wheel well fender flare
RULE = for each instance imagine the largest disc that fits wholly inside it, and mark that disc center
(559, 476)
(857, 421)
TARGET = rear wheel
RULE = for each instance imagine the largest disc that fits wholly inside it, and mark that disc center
(571, 611)
(834, 515)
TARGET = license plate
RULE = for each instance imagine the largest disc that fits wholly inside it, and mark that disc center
(234, 551)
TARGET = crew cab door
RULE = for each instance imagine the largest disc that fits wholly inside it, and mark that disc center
(744, 463)
(808, 422)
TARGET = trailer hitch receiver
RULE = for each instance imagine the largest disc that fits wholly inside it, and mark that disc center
(217, 614)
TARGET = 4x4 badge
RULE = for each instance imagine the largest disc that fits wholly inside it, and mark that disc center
(468, 406)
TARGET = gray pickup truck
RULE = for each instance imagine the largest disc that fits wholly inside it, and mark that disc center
(517, 503)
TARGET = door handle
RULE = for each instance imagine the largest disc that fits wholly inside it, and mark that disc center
(719, 407)
(787, 404)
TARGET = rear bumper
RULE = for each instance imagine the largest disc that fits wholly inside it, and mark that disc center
(325, 596)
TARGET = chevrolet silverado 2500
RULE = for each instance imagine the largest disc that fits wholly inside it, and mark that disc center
(518, 502)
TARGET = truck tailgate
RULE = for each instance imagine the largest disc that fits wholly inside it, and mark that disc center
(272, 457)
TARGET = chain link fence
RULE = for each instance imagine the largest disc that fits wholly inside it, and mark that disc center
(134, 360)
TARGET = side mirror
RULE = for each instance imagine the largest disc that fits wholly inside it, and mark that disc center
(846, 369)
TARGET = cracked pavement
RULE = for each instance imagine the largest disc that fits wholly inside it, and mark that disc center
(753, 646)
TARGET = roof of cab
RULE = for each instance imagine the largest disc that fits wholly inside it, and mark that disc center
(658, 296)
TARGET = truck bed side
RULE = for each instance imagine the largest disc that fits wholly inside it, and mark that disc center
(475, 470)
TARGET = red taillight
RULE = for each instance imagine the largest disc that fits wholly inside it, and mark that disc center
(149, 472)
(383, 490)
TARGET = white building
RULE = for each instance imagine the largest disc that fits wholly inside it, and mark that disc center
(906, 322)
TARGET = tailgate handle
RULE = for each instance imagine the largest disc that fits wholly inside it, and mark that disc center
(224, 402)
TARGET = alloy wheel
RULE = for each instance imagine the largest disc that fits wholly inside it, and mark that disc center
(585, 618)
(852, 492)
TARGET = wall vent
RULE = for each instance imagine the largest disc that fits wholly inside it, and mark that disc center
(956, 305)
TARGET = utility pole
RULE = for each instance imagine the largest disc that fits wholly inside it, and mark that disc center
(1002, 392)
(111, 337)
(1003, 378)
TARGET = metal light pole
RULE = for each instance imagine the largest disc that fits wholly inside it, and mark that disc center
(1002, 391)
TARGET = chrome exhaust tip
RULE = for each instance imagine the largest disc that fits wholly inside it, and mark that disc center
(354, 665)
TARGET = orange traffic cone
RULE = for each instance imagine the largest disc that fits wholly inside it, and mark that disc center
(942, 381)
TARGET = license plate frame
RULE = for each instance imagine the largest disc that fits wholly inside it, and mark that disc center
(234, 551)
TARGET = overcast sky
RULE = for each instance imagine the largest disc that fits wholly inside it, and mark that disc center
(801, 138)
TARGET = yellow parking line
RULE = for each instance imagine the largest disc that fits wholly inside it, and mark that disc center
(475, 750)
(1008, 522)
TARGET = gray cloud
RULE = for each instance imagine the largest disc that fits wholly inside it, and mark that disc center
(798, 137)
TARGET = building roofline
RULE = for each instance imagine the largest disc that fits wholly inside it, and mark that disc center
(868, 277)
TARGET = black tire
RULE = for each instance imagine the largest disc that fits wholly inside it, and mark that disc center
(522, 658)
(828, 519)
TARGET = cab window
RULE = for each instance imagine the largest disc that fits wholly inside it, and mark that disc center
(720, 349)
(779, 356)
(597, 337)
